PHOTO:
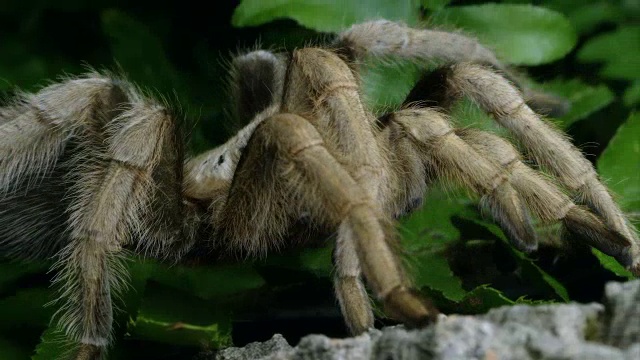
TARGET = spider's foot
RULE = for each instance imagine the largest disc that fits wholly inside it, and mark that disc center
(594, 232)
(354, 303)
(407, 305)
(635, 267)
(88, 352)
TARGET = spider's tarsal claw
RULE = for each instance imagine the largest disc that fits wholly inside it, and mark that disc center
(527, 246)
(354, 303)
(407, 305)
(88, 352)
(595, 233)
(512, 215)
(635, 270)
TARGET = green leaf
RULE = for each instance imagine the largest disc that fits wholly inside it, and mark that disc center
(386, 86)
(317, 261)
(520, 34)
(26, 309)
(298, 263)
(323, 15)
(529, 270)
(587, 15)
(612, 264)
(584, 99)
(426, 234)
(434, 4)
(630, 8)
(53, 345)
(618, 49)
(466, 113)
(620, 162)
(432, 270)
(482, 299)
(175, 317)
(431, 226)
(631, 95)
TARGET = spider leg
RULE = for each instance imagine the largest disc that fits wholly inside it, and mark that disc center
(351, 293)
(257, 80)
(35, 128)
(285, 170)
(548, 146)
(387, 39)
(491, 167)
(256, 85)
(31, 215)
(383, 38)
(450, 157)
(122, 156)
(35, 132)
(323, 85)
(545, 199)
(111, 196)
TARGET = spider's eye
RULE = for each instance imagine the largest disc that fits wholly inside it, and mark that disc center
(220, 160)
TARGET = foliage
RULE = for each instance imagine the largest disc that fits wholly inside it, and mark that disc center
(580, 51)
(519, 34)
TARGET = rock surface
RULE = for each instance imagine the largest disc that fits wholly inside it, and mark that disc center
(559, 332)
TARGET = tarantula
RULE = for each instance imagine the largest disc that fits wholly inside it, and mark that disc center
(91, 167)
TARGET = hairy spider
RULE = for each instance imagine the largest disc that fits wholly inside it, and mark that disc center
(91, 167)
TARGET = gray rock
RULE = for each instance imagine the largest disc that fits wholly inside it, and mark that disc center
(568, 322)
(633, 352)
(553, 332)
(622, 301)
(314, 347)
(275, 348)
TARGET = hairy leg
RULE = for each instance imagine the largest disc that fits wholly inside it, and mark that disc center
(35, 128)
(448, 156)
(287, 169)
(492, 168)
(387, 39)
(121, 156)
(545, 199)
(383, 38)
(33, 227)
(257, 80)
(322, 84)
(350, 291)
(111, 196)
(548, 146)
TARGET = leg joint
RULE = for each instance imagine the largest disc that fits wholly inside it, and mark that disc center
(423, 124)
(291, 133)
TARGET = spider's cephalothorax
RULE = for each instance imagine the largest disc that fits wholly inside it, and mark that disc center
(90, 167)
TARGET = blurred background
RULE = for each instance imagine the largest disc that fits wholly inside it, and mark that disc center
(585, 51)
